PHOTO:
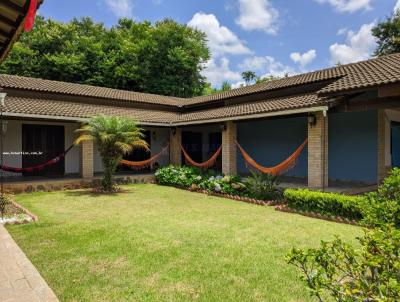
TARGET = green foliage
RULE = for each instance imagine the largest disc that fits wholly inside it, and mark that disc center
(208, 89)
(263, 186)
(266, 79)
(193, 178)
(383, 207)
(164, 58)
(387, 34)
(336, 269)
(325, 203)
(114, 137)
(249, 76)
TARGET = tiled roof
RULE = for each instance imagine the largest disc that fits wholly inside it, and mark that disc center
(48, 107)
(65, 88)
(378, 71)
(373, 72)
(267, 106)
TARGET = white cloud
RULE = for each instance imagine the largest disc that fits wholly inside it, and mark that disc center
(218, 71)
(304, 59)
(358, 47)
(266, 66)
(342, 31)
(397, 7)
(221, 40)
(121, 8)
(348, 6)
(258, 15)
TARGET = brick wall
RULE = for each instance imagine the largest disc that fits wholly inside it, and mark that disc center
(86, 159)
(318, 153)
(382, 169)
(229, 151)
(175, 153)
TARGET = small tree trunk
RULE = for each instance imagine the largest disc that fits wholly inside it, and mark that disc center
(110, 166)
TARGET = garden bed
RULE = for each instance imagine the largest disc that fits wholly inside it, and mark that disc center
(14, 213)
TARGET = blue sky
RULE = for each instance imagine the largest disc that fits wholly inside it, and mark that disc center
(271, 37)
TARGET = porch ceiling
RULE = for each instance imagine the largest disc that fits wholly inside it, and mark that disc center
(12, 14)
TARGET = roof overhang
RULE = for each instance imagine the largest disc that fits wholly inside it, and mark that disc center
(323, 109)
(12, 19)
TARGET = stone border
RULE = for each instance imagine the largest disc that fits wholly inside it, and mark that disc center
(338, 219)
(25, 210)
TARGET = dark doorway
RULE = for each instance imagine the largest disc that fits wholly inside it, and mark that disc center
(215, 141)
(41, 143)
(138, 155)
(193, 144)
(395, 149)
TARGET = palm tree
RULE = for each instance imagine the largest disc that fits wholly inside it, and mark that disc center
(249, 77)
(114, 137)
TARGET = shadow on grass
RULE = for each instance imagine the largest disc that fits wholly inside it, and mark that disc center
(94, 193)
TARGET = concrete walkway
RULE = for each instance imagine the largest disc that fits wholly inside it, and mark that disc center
(19, 279)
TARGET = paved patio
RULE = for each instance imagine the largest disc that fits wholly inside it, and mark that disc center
(19, 279)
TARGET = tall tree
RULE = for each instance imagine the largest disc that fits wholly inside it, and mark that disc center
(387, 34)
(249, 76)
(164, 58)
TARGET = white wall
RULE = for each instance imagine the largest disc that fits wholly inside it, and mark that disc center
(13, 145)
(159, 139)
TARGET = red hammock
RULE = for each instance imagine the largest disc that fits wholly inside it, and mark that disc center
(31, 15)
(37, 167)
(283, 167)
(207, 164)
(136, 165)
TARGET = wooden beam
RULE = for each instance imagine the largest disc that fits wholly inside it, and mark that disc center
(7, 21)
(373, 104)
(389, 90)
(13, 6)
(4, 33)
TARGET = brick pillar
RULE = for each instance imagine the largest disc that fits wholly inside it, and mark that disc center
(175, 153)
(229, 152)
(318, 153)
(382, 169)
(86, 159)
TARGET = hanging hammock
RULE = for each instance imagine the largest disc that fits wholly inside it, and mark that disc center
(207, 164)
(137, 165)
(37, 167)
(283, 167)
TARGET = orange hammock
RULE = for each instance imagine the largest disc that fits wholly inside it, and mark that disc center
(283, 167)
(207, 164)
(145, 163)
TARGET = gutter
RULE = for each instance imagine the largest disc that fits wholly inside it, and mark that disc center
(69, 119)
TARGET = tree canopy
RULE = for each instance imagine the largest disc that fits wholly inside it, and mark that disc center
(163, 58)
(387, 34)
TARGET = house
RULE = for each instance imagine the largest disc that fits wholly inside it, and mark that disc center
(350, 115)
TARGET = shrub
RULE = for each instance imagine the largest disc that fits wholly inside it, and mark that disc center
(383, 207)
(325, 203)
(370, 273)
(193, 178)
(263, 186)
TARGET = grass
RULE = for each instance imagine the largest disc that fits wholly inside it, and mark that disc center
(163, 244)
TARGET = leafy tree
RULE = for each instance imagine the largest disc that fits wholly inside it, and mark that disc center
(114, 136)
(387, 34)
(336, 269)
(249, 76)
(226, 86)
(266, 79)
(163, 58)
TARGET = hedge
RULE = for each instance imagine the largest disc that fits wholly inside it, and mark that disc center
(349, 207)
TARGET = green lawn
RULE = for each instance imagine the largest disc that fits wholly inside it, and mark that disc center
(162, 244)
